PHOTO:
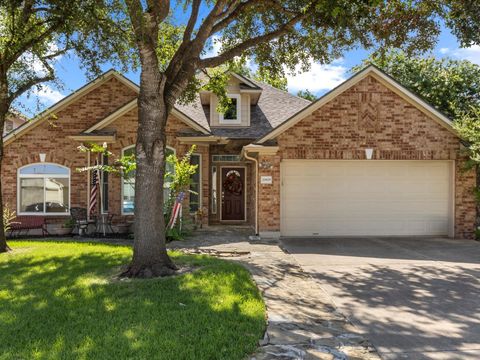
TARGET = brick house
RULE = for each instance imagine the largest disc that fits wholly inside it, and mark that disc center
(368, 158)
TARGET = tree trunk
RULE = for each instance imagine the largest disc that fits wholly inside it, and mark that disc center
(150, 258)
(3, 114)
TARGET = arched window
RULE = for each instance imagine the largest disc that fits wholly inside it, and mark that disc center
(43, 189)
(128, 184)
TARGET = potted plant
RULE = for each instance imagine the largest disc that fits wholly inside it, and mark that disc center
(65, 228)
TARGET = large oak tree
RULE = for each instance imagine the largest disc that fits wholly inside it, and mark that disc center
(173, 41)
(34, 33)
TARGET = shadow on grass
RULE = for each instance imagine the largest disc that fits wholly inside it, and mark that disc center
(59, 301)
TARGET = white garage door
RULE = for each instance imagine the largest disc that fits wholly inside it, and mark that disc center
(354, 198)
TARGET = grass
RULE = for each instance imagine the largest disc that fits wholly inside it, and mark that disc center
(62, 301)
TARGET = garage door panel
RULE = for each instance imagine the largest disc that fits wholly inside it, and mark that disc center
(365, 198)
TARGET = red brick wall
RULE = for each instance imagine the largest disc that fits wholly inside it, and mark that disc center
(51, 138)
(368, 115)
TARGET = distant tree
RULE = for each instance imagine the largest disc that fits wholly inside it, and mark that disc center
(34, 33)
(306, 94)
(452, 86)
(277, 36)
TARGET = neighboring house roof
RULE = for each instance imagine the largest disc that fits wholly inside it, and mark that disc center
(379, 75)
(16, 118)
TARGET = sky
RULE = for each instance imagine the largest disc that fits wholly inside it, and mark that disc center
(318, 80)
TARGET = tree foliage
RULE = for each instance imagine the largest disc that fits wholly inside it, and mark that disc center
(452, 86)
(35, 33)
(468, 127)
(307, 94)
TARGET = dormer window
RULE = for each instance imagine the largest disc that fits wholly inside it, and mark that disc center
(232, 114)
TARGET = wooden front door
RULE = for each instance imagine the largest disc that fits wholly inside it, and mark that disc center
(233, 193)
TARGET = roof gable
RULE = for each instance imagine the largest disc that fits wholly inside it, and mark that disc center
(133, 105)
(65, 102)
(385, 80)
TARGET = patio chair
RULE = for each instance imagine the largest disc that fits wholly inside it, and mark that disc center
(80, 220)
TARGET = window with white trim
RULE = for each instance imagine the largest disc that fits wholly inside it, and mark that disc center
(195, 184)
(214, 189)
(128, 184)
(43, 189)
(232, 114)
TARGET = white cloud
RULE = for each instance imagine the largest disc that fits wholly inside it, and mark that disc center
(215, 47)
(471, 54)
(47, 94)
(318, 78)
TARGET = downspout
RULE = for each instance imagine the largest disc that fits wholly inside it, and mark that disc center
(245, 154)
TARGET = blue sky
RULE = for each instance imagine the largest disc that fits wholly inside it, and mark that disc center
(318, 80)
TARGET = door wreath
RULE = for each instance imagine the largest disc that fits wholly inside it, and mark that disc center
(233, 184)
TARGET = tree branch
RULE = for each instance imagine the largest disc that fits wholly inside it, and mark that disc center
(233, 14)
(244, 6)
(28, 84)
(247, 44)
(30, 43)
(27, 11)
(177, 68)
(159, 8)
(192, 20)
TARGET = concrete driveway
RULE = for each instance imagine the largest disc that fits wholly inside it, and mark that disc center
(413, 298)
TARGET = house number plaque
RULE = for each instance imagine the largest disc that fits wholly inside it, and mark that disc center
(265, 180)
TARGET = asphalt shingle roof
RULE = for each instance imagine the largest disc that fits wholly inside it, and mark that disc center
(273, 108)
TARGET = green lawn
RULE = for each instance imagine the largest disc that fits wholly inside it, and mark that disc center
(62, 301)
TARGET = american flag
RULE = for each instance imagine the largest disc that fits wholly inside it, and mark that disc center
(93, 192)
(176, 211)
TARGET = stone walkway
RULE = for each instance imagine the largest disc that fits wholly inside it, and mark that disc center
(302, 320)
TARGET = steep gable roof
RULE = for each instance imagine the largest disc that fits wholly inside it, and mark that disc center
(384, 79)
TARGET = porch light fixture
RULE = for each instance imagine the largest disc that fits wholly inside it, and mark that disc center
(42, 157)
(368, 154)
(265, 164)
